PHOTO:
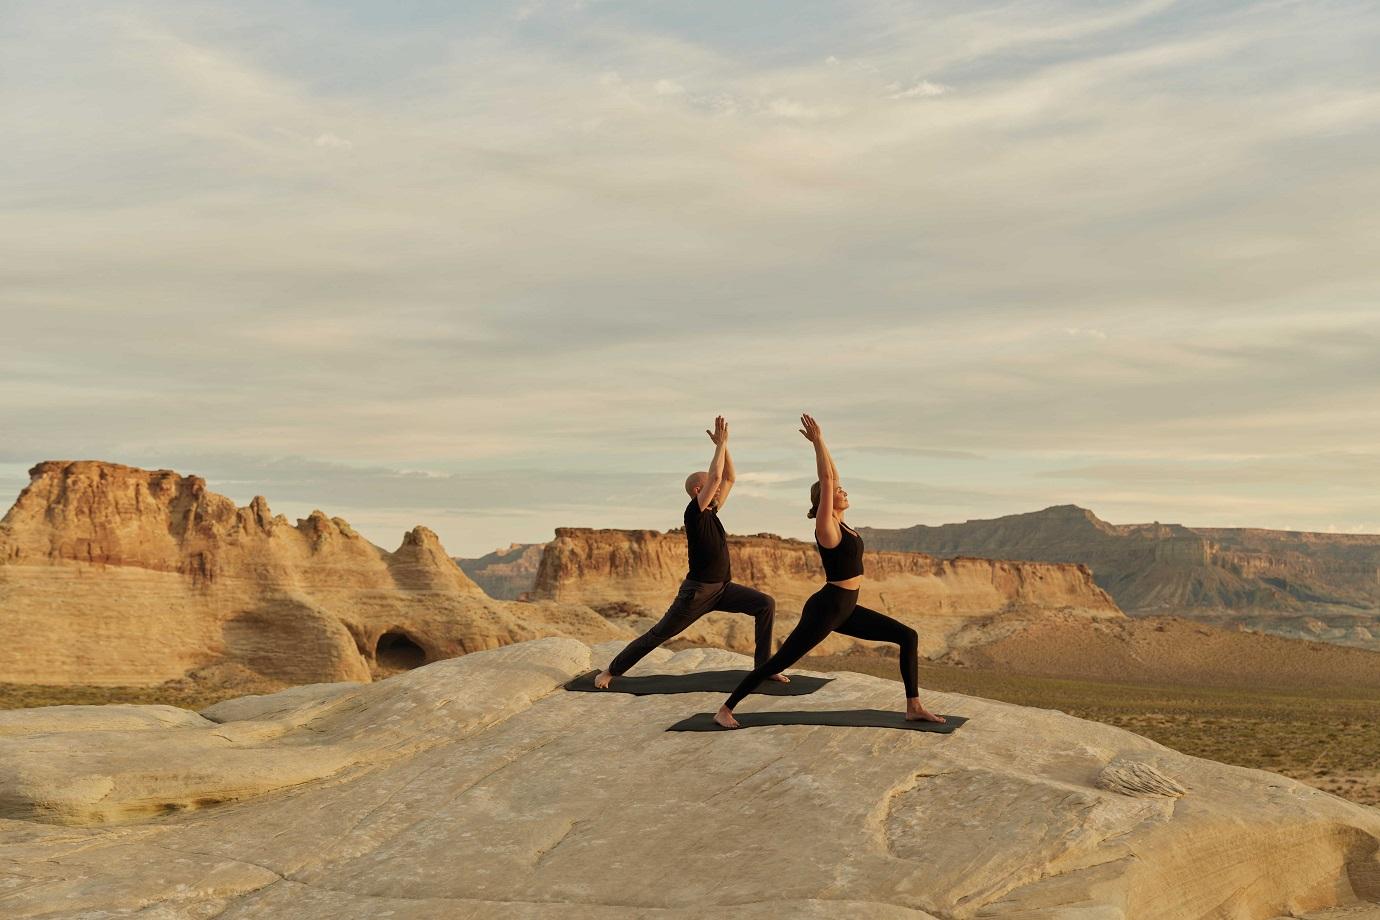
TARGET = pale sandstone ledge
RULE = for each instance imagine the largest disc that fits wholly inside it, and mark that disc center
(111, 574)
(944, 599)
(476, 788)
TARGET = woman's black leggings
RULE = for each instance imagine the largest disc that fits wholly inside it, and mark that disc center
(835, 609)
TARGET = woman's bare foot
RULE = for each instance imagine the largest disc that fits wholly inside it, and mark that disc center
(780, 678)
(603, 679)
(725, 718)
(916, 712)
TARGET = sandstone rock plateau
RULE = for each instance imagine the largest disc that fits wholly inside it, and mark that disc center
(1303, 585)
(477, 788)
(115, 575)
(636, 572)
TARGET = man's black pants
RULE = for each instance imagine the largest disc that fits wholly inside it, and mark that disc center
(694, 600)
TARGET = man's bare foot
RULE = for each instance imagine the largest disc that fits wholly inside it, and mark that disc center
(603, 679)
(916, 712)
(725, 718)
(780, 678)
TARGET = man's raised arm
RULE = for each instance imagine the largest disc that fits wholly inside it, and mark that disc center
(729, 478)
(716, 466)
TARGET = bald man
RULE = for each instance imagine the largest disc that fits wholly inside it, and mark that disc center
(708, 585)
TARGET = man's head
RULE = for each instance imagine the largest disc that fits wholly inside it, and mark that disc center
(695, 482)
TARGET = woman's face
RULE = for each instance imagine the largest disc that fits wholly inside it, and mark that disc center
(840, 498)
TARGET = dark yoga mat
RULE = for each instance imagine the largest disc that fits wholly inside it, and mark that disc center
(861, 718)
(698, 682)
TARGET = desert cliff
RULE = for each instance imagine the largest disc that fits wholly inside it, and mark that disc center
(118, 575)
(639, 570)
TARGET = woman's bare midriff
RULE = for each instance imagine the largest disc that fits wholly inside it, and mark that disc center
(849, 584)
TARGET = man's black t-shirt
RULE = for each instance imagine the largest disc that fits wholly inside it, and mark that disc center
(708, 545)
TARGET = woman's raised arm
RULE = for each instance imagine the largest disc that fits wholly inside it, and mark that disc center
(826, 528)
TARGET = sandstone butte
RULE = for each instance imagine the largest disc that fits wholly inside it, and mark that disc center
(115, 575)
(947, 600)
(476, 788)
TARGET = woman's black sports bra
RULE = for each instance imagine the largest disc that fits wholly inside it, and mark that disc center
(845, 560)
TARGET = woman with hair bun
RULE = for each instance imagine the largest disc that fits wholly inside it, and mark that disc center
(834, 607)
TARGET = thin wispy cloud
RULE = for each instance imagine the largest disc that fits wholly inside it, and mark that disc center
(919, 90)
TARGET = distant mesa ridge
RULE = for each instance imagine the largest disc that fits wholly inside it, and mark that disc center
(1224, 571)
(507, 573)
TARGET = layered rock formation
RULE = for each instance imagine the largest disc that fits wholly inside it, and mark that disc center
(115, 575)
(476, 788)
(637, 572)
(505, 573)
(1308, 585)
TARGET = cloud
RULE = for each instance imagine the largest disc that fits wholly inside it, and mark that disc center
(936, 453)
(1134, 230)
(922, 89)
(791, 109)
(1358, 473)
(332, 142)
(769, 478)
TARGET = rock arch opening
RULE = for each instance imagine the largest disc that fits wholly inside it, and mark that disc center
(396, 651)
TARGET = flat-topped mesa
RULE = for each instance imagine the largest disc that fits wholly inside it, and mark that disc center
(937, 596)
(118, 575)
(108, 514)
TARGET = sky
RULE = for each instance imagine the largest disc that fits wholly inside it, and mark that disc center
(494, 268)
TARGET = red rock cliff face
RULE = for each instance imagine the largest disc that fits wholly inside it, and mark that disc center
(114, 574)
(939, 597)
